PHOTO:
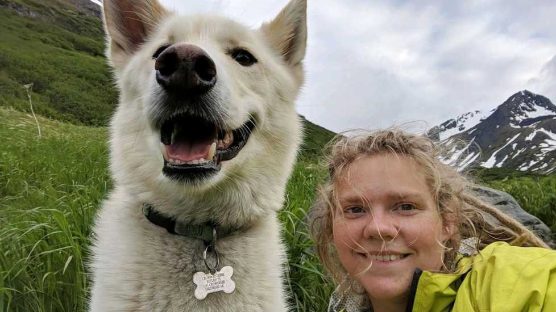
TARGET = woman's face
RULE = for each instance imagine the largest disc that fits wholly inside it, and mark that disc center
(387, 225)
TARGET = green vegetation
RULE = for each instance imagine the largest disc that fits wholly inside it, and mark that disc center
(309, 287)
(315, 138)
(61, 53)
(535, 194)
(49, 190)
(492, 174)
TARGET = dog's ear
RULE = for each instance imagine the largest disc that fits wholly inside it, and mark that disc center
(287, 33)
(127, 24)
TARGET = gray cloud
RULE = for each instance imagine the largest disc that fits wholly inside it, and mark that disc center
(374, 63)
(545, 82)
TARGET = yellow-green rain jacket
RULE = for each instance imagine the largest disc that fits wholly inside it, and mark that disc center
(500, 278)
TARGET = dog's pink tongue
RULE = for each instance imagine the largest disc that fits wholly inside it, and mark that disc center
(187, 151)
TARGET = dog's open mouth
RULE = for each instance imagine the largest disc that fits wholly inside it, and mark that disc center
(193, 147)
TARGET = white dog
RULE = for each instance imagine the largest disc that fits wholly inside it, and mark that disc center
(202, 144)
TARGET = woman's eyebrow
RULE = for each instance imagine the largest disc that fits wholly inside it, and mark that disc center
(357, 198)
(406, 195)
(350, 198)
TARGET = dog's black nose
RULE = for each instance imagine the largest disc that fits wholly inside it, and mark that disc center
(185, 68)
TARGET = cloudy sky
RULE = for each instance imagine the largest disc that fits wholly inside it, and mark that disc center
(374, 64)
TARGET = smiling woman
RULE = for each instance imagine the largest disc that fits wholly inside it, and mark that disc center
(385, 198)
(399, 231)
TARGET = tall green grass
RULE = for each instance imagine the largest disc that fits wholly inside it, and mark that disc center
(309, 287)
(49, 190)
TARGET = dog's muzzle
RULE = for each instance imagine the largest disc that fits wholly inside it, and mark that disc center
(193, 142)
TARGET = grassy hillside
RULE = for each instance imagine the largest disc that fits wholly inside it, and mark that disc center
(60, 52)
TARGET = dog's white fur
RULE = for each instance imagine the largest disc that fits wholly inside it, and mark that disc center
(138, 266)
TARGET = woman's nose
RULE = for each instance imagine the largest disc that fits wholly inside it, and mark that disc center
(382, 225)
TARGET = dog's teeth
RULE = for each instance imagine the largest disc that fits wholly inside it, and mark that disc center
(163, 151)
(176, 162)
(212, 151)
(190, 162)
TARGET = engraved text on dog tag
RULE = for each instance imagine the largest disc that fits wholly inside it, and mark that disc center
(208, 283)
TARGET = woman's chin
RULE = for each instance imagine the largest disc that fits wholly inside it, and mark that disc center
(387, 288)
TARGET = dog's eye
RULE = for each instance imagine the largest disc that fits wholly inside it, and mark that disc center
(160, 50)
(243, 57)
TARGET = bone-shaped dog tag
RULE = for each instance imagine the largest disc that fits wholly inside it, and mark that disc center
(208, 283)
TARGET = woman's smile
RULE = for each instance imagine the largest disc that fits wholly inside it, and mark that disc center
(378, 258)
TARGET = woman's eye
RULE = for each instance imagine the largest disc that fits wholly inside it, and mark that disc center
(354, 210)
(406, 207)
(243, 57)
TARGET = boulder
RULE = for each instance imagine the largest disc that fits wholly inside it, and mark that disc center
(506, 203)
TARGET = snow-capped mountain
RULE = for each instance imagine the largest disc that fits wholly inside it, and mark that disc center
(454, 126)
(519, 134)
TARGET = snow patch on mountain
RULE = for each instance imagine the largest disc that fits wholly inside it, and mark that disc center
(519, 134)
(462, 123)
(529, 111)
(491, 162)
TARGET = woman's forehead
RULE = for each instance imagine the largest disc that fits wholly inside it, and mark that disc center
(393, 176)
(384, 165)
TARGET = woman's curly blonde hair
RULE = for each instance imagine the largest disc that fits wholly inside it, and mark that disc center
(472, 217)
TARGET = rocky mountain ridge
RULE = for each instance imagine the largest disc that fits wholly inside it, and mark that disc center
(519, 134)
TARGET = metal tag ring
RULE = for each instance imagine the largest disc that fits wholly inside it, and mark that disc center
(215, 268)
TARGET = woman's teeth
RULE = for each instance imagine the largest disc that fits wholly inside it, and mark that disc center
(385, 258)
